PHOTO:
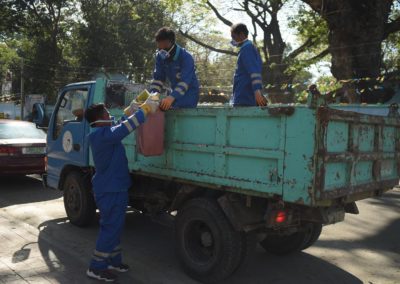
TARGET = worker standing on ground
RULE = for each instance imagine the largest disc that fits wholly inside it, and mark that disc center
(177, 65)
(247, 81)
(110, 184)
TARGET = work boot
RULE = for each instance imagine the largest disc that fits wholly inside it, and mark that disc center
(120, 267)
(102, 275)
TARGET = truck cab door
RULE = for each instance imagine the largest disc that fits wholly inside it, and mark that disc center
(66, 138)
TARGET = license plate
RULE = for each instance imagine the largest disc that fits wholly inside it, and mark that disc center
(34, 150)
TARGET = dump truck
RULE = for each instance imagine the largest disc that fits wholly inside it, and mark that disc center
(230, 178)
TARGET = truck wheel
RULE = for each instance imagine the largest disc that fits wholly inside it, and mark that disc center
(208, 247)
(314, 231)
(78, 200)
(281, 245)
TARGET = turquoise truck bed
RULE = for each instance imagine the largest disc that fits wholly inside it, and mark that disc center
(302, 155)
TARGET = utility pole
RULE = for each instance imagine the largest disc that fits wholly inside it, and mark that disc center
(22, 89)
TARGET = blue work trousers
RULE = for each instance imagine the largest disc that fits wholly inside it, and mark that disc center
(112, 207)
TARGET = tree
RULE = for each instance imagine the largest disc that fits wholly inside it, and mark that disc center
(118, 36)
(356, 32)
(278, 59)
(38, 29)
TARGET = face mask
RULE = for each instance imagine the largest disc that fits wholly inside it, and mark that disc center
(236, 43)
(165, 54)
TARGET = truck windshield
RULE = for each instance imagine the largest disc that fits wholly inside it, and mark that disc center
(120, 94)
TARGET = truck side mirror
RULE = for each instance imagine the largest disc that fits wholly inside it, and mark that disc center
(38, 114)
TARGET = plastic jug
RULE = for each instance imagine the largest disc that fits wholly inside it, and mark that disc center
(150, 135)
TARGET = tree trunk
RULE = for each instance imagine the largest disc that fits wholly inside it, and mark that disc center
(356, 31)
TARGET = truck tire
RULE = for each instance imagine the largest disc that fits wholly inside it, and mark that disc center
(281, 245)
(315, 230)
(249, 244)
(79, 202)
(208, 247)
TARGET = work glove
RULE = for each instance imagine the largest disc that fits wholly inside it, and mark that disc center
(131, 109)
(150, 106)
(142, 97)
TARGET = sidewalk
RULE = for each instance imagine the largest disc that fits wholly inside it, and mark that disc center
(26, 257)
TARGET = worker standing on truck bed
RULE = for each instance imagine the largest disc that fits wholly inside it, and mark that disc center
(110, 184)
(247, 81)
(177, 65)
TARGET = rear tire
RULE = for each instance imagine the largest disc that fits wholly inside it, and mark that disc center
(79, 202)
(208, 247)
(315, 230)
(281, 245)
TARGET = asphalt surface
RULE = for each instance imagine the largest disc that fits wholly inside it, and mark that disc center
(363, 249)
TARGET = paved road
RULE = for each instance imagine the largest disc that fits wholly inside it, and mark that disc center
(363, 249)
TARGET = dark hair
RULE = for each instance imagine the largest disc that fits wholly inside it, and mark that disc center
(94, 112)
(165, 33)
(240, 28)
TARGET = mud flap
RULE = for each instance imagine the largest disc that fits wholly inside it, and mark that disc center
(332, 215)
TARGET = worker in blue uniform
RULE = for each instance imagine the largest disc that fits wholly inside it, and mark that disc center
(110, 184)
(247, 81)
(177, 65)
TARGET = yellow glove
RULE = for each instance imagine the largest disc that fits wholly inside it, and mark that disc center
(142, 97)
(133, 106)
(150, 106)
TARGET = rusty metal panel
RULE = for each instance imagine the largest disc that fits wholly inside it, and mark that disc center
(237, 148)
(356, 152)
(299, 165)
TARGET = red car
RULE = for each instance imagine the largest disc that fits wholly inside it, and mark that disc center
(22, 148)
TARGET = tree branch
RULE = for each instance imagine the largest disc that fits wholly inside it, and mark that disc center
(309, 42)
(229, 52)
(253, 17)
(322, 54)
(219, 16)
(392, 27)
(316, 5)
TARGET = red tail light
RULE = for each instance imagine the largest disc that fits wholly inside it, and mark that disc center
(45, 163)
(9, 151)
(280, 217)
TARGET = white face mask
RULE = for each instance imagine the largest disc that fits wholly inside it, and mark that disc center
(165, 54)
(237, 43)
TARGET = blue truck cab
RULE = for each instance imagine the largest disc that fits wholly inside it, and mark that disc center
(229, 174)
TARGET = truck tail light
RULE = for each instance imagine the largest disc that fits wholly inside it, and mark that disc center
(9, 151)
(280, 217)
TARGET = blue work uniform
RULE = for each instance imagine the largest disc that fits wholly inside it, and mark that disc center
(110, 186)
(181, 73)
(247, 79)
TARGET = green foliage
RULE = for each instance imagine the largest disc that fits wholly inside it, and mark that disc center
(69, 40)
(8, 59)
(119, 37)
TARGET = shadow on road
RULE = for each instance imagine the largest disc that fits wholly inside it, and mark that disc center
(384, 240)
(149, 249)
(390, 199)
(29, 190)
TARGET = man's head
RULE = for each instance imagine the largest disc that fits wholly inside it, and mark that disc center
(97, 112)
(239, 32)
(165, 38)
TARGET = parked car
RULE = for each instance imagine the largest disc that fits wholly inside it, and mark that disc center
(22, 148)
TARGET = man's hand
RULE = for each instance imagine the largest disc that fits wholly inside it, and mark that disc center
(167, 103)
(260, 99)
